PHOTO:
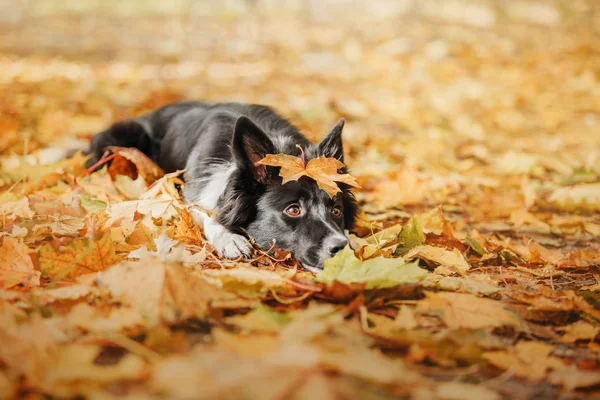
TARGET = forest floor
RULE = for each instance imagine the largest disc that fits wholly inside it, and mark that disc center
(475, 136)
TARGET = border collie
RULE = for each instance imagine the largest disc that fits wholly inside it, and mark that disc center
(219, 146)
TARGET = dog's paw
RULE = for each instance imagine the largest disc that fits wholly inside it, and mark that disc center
(231, 245)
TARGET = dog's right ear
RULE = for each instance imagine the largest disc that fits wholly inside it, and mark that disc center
(250, 145)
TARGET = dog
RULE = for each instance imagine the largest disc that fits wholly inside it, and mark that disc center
(219, 146)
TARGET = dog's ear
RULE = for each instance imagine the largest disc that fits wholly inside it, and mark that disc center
(331, 145)
(250, 145)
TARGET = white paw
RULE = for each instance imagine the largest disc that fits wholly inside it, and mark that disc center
(231, 245)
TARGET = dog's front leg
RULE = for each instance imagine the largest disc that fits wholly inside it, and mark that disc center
(229, 244)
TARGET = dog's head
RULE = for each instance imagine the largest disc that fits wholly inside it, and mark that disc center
(296, 216)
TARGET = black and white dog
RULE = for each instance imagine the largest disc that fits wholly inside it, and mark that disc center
(219, 145)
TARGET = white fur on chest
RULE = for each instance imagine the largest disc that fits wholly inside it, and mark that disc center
(216, 183)
(230, 244)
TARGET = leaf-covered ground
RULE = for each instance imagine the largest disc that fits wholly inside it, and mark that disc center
(473, 129)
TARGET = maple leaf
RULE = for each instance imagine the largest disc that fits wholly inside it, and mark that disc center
(324, 170)
(81, 256)
(16, 266)
(185, 229)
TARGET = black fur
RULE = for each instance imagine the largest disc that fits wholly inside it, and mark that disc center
(201, 137)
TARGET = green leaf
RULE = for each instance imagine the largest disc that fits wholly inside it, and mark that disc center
(261, 319)
(377, 272)
(90, 204)
(476, 246)
(411, 235)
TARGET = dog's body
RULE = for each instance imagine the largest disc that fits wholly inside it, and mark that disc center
(219, 145)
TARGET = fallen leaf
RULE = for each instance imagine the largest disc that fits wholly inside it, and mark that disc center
(16, 266)
(445, 258)
(143, 166)
(411, 235)
(459, 310)
(261, 319)
(75, 362)
(531, 360)
(13, 208)
(115, 320)
(71, 292)
(81, 256)
(572, 378)
(246, 281)
(580, 330)
(584, 196)
(376, 272)
(464, 391)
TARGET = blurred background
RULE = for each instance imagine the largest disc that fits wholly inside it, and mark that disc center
(476, 87)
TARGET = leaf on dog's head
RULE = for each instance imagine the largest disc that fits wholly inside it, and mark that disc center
(324, 170)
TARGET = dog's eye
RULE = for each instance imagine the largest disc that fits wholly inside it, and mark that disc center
(336, 212)
(294, 210)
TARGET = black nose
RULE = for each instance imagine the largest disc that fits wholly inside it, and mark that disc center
(336, 245)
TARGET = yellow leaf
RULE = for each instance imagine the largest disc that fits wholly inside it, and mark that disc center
(142, 235)
(15, 208)
(446, 258)
(16, 266)
(81, 256)
(117, 319)
(529, 360)
(460, 310)
(324, 170)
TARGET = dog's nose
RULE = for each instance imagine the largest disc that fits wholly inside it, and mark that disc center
(336, 245)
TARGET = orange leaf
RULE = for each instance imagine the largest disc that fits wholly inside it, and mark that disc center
(16, 266)
(131, 162)
(81, 256)
(324, 170)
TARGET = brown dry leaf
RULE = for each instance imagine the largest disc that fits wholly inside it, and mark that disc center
(580, 330)
(459, 310)
(131, 162)
(16, 266)
(75, 363)
(114, 320)
(452, 260)
(247, 281)
(81, 256)
(572, 378)
(160, 290)
(531, 360)
(581, 258)
(142, 236)
(62, 225)
(100, 186)
(11, 208)
(324, 170)
(464, 391)
(184, 229)
(71, 292)
(139, 284)
(187, 295)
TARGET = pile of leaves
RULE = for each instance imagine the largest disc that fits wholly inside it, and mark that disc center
(473, 272)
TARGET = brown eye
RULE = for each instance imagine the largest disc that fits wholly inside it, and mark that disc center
(336, 212)
(294, 210)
